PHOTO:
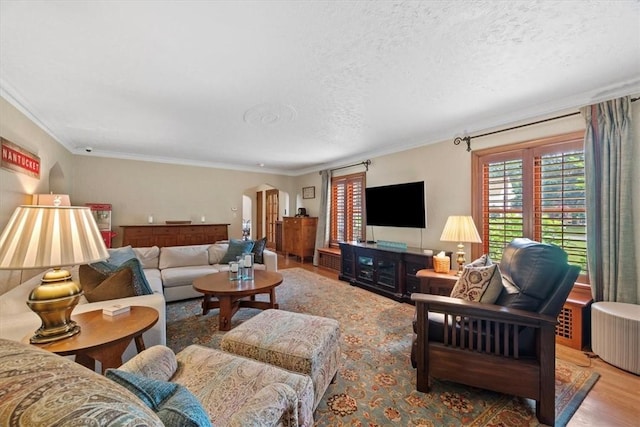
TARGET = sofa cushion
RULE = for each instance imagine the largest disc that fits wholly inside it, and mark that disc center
(98, 286)
(173, 403)
(148, 257)
(181, 276)
(217, 252)
(119, 255)
(40, 388)
(236, 248)
(258, 248)
(482, 284)
(183, 256)
(140, 283)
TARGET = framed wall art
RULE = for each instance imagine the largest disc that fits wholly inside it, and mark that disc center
(308, 192)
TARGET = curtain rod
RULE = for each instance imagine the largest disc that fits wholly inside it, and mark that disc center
(366, 164)
(467, 139)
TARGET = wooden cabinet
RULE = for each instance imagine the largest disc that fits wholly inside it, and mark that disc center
(388, 271)
(434, 283)
(380, 271)
(146, 235)
(299, 236)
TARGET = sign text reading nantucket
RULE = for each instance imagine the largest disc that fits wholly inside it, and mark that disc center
(17, 159)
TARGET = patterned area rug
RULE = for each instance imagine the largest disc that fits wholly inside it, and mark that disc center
(376, 383)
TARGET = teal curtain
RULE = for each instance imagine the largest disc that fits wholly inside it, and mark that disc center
(611, 245)
(322, 232)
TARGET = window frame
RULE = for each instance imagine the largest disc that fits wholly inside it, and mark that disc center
(527, 151)
(349, 179)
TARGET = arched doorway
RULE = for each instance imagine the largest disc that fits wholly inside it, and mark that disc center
(265, 211)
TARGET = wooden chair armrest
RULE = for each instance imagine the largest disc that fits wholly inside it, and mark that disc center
(479, 310)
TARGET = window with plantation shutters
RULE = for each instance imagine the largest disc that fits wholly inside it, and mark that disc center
(559, 204)
(503, 216)
(534, 189)
(347, 208)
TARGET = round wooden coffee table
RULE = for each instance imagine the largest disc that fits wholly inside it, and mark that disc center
(231, 294)
(104, 338)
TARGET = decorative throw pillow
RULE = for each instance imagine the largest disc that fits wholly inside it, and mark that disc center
(115, 286)
(119, 255)
(89, 277)
(482, 284)
(259, 247)
(173, 403)
(483, 261)
(236, 248)
(139, 281)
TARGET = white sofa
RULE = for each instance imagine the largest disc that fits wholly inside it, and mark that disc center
(169, 271)
(17, 321)
(177, 266)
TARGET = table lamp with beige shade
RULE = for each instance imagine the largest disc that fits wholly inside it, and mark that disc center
(460, 229)
(52, 237)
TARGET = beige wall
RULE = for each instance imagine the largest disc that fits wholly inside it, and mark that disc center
(174, 192)
(16, 188)
(169, 192)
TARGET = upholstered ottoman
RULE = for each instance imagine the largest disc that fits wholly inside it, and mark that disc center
(301, 343)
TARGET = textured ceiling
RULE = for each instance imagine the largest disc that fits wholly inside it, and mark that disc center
(302, 85)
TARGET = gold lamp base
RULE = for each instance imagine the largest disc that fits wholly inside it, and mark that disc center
(53, 301)
(460, 259)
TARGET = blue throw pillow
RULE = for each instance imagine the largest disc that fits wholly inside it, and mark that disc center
(258, 248)
(237, 248)
(119, 255)
(140, 284)
(173, 403)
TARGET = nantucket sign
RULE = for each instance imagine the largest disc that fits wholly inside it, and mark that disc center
(17, 159)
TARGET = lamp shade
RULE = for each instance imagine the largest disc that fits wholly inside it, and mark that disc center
(460, 229)
(50, 236)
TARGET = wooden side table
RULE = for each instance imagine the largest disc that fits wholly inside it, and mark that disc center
(437, 283)
(104, 338)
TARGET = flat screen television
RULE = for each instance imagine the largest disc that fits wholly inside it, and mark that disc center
(398, 205)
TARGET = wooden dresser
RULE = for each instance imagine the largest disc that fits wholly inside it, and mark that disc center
(140, 236)
(299, 236)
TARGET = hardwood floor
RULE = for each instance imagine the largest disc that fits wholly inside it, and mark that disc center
(614, 401)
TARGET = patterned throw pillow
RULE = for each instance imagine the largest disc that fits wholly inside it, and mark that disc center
(483, 261)
(140, 284)
(258, 248)
(173, 403)
(236, 248)
(482, 284)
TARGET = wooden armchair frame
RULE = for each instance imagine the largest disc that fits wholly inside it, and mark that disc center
(481, 349)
